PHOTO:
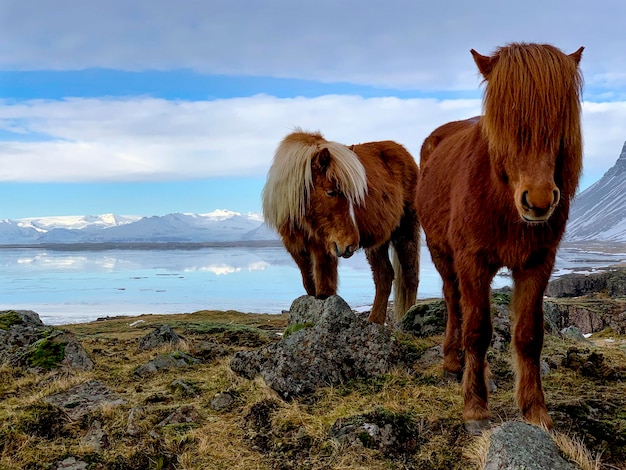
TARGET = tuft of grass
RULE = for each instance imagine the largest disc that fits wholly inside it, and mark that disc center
(575, 450)
(476, 451)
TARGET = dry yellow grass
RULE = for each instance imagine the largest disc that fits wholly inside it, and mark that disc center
(261, 431)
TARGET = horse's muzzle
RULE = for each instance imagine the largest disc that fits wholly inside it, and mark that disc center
(346, 252)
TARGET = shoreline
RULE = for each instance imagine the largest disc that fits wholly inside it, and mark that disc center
(166, 245)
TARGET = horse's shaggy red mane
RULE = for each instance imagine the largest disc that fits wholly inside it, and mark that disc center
(549, 123)
(290, 179)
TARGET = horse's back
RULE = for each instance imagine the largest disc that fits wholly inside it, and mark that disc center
(450, 156)
(450, 129)
(392, 174)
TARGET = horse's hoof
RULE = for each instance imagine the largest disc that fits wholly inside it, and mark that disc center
(452, 376)
(476, 427)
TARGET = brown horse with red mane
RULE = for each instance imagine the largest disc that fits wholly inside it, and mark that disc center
(495, 191)
(327, 200)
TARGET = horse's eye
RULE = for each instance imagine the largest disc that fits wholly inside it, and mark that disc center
(331, 193)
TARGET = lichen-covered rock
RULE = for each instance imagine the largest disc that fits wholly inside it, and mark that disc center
(186, 414)
(573, 334)
(71, 463)
(223, 401)
(339, 346)
(84, 398)
(389, 432)
(183, 388)
(515, 445)
(161, 336)
(27, 343)
(425, 319)
(166, 361)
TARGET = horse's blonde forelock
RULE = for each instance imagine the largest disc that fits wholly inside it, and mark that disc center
(290, 178)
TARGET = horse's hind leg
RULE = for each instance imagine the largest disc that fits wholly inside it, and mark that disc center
(452, 344)
(527, 305)
(382, 272)
(406, 264)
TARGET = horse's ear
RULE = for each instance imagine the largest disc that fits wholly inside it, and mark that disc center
(485, 63)
(577, 55)
(322, 160)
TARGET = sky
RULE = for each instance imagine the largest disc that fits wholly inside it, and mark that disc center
(149, 107)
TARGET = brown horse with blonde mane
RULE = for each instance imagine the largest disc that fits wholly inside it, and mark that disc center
(327, 200)
(495, 191)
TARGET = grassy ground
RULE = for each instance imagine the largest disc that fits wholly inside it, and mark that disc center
(260, 431)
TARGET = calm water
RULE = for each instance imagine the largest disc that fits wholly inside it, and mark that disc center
(70, 287)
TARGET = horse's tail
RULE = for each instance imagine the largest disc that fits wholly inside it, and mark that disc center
(406, 283)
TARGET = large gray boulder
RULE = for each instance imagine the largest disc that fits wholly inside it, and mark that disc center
(328, 345)
(27, 343)
(521, 446)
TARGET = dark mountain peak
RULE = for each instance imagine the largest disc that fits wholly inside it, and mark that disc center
(620, 166)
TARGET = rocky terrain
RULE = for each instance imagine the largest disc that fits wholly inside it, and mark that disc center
(317, 387)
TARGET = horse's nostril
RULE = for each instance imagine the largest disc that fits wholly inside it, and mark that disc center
(525, 203)
(556, 196)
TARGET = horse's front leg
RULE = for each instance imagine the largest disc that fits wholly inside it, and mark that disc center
(325, 269)
(528, 331)
(477, 331)
(382, 272)
(297, 246)
(304, 262)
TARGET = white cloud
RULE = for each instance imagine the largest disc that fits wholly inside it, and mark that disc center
(147, 139)
(400, 43)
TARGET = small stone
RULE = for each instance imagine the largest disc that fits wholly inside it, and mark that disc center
(222, 401)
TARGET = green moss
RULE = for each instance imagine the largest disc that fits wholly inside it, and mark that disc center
(411, 351)
(8, 319)
(213, 328)
(608, 332)
(46, 354)
(500, 298)
(291, 329)
(185, 357)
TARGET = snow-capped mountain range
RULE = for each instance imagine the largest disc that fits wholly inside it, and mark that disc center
(598, 214)
(216, 226)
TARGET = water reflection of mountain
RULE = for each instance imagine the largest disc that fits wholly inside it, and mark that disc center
(145, 245)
